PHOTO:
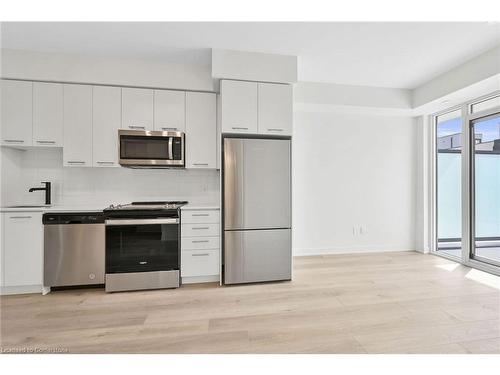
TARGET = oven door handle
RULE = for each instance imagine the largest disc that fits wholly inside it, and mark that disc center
(111, 222)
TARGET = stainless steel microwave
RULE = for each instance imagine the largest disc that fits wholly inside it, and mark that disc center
(151, 149)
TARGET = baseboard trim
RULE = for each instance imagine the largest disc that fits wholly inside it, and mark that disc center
(201, 279)
(347, 250)
(21, 289)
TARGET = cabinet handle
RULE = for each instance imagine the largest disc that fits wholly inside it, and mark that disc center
(19, 217)
(200, 255)
(105, 162)
(13, 141)
(203, 164)
(275, 129)
(75, 162)
(136, 127)
(199, 241)
(168, 128)
(200, 228)
(46, 142)
(200, 214)
(239, 128)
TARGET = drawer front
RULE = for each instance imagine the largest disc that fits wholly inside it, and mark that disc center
(199, 263)
(196, 217)
(199, 243)
(199, 230)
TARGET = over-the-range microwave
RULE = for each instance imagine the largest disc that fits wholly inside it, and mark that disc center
(151, 149)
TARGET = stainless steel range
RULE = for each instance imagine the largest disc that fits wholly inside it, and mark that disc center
(143, 245)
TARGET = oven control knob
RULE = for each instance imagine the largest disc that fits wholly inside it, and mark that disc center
(91, 276)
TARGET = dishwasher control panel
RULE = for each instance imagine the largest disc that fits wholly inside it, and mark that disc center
(73, 218)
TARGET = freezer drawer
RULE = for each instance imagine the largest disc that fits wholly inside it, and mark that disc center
(257, 255)
(256, 183)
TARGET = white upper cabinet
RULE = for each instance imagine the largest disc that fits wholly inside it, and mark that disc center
(137, 109)
(201, 141)
(239, 106)
(47, 114)
(77, 151)
(275, 109)
(107, 106)
(169, 110)
(17, 113)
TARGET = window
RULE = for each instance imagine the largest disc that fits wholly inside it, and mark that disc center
(485, 104)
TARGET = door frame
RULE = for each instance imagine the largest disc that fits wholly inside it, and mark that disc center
(466, 181)
(468, 195)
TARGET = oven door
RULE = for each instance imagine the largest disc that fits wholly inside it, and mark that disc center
(142, 245)
(151, 148)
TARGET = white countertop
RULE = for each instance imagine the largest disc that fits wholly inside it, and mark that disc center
(195, 206)
(92, 208)
(54, 208)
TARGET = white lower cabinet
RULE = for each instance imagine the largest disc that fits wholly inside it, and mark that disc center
(22, 252)
(199, 263)
(200, 246)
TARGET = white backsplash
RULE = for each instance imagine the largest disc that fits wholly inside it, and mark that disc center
(21, 170)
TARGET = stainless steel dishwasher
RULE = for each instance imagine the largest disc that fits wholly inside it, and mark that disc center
(73, 249)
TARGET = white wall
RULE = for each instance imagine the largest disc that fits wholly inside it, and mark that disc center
(347, 95)
(254, 66)
(58, 67)
(98, 186)
(353, 171)
(473, 71)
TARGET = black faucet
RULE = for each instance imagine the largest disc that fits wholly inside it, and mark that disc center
(46, 189)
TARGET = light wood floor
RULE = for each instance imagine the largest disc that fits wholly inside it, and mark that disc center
(371, 303)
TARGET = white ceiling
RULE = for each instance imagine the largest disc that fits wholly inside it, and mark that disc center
(399, 55)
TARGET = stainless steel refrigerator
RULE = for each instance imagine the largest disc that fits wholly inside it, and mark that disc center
(256, 199)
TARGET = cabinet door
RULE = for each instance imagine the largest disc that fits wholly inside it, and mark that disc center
(239, 107)
(106, 112)
(169, 110)
(47, 114)
(77, 151)
(22, 248)
(17, 113)
(137, 109)
(201, 142)
(275, 109)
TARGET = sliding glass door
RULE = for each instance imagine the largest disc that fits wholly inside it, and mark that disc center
(485, 189)
(448, 142)
(466, 172)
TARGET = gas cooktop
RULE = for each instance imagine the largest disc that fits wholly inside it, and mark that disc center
(144, 210)
(142, 206)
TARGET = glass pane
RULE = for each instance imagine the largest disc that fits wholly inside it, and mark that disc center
(141, 248)
(449, 186)
(154, 148)
(487, 189)
(485, 104)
